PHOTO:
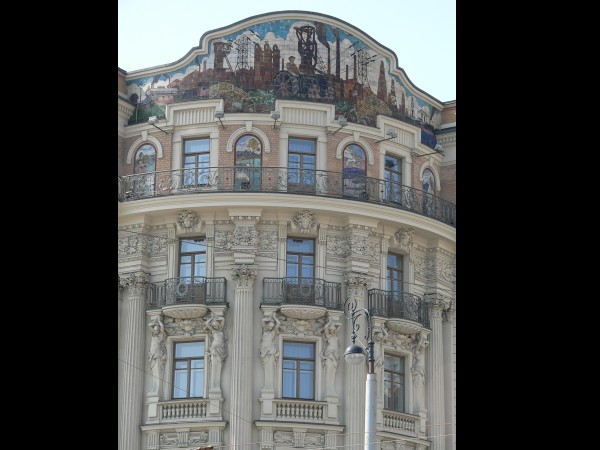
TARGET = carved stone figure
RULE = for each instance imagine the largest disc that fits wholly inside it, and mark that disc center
(157, 354)
(418, 371)
(404, 237)
(330, 354)
(269, 352)
(217, 349)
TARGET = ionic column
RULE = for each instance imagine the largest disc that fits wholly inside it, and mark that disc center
(356, 375)
(434, 379)
(243, 358)
(131, 357)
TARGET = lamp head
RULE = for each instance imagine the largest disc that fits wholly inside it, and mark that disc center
(342, 121)
(354, 354)
(275, 115)
(152, 120)
(392, 134)
(219, 114)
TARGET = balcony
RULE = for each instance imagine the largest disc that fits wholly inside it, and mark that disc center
(302, 298)
(282, 180)
(406, 313)
(187, 297)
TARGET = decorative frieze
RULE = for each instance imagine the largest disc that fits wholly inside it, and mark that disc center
(183, 438)
(224, 240)
(267, 240)
(184, 327)
(139, 245)
(245, 236)
(434, 269)
(355, 246)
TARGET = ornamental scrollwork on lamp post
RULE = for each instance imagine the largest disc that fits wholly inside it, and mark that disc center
(355, 355)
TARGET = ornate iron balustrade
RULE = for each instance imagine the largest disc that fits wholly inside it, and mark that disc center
(398, 305)
(302, 291)
(187, 290)
(286, 181)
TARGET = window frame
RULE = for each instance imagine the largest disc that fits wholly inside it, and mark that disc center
(304, 174)
(200, 171)
(394, 399)
(393, 192)
(175, 359)
(298, 370)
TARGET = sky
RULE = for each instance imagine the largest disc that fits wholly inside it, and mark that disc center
(422, 33)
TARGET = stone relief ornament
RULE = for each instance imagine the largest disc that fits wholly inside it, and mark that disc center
(224, 239)
(184, 327)
(136, 282)
(284, 437)
(267, 240)
(338, 246)
(404, 238)
(245, 236)
(187, 219)
(137, 245)
(314, 440)
(304, 221)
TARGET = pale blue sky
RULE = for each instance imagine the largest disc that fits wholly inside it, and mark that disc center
(422, 33)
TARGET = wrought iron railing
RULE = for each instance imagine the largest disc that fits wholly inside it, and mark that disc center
(286, 181)
(302, 291)
(187, 290)
(398, 305)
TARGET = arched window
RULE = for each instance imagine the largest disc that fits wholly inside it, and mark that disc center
(145, 166)
(355, 171)
(248, 157)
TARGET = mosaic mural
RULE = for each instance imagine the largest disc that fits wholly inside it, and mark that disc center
(306, 60)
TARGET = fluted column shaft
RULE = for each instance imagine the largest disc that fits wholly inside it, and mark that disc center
(243, 357)
(449, 370)
(435, 374)
(131, 358)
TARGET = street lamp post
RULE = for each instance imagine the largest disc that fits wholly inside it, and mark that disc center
(355, 355)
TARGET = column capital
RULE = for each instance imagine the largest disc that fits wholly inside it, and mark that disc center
(356, 283)
(244, 276)
(437, 303)
(135, 282)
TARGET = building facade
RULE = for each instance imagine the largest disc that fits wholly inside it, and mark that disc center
(281, 173)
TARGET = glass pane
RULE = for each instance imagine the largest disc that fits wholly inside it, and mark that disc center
(197, 364)
(301, 245)
(200, 269)
(306, 385)
(301, 146)
(193, 245)
(189, 349)
(197, 146)
(289, 383)
(181, 364)
(394, 261)
(185, 270)
(299, 350)
(180, 384)
(189, 162)
(197, 383)
(185, 259)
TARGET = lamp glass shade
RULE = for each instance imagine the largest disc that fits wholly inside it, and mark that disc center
(354, 354)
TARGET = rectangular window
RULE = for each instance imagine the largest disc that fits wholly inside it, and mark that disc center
(188, 370)
(196, 154)
(298, 370)
(393, 383)
(393, 179)
(301, 164)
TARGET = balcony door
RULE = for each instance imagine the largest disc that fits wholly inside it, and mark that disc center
(301, 165)
(196, 154)
(190, 287)
(300, 271)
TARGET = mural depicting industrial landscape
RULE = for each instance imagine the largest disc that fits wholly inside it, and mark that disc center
(289, 59)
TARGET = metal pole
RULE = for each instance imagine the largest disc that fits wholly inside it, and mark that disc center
(370, 398)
